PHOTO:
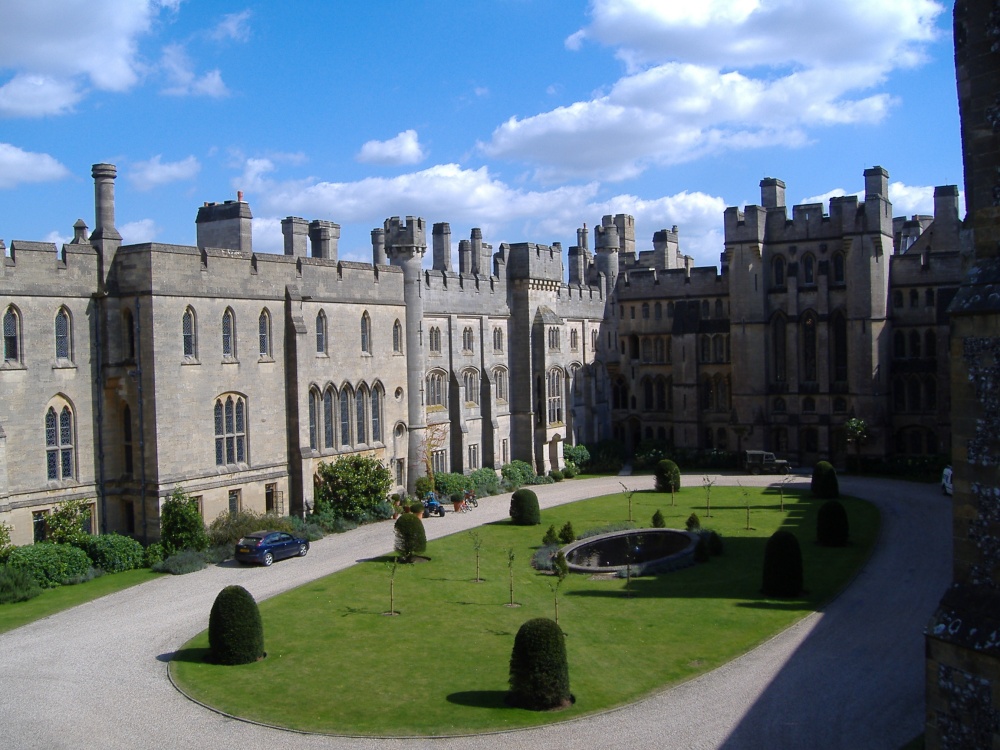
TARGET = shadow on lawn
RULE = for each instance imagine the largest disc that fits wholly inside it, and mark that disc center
(190, 655)
(479, 698)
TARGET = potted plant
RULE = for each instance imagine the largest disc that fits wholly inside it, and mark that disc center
(417, 509)
(457, 499)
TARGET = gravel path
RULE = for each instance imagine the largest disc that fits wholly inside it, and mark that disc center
(851, 676)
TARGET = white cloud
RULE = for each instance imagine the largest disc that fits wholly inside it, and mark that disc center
(907, 200)
(403, 149)
(18, 166)
(58, 49)
(235, 26)
(136, 232)
(720, 75)
(178, 70)
(30, 95)
(57, 238)
(153, 173)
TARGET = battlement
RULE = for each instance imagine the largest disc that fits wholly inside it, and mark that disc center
(667, 283)
(409, 233)
(71, 268)
(527, 260)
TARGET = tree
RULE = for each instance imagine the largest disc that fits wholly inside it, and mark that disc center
(668, 477)
(707, 483)
(351, 486)
(68, 523)
(539, 671)
(857, 433)
(235, 630)
(477, 545)
(628, 495)
(560, 569)
(391, 567)
(434, 439)
(411, 539)
(181, 524)
(510, 575)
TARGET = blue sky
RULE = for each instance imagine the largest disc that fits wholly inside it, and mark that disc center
(526, 118)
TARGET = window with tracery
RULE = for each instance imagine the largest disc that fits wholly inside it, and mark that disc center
(60, 455)
(11, 336)
(230, 430)
(555, 396)
(228, 334)
(62, 334)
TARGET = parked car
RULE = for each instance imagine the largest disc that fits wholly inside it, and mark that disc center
(946, 488)
(764, 462)
(264, 547)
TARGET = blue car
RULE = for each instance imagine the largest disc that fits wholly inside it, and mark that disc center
(264, 547)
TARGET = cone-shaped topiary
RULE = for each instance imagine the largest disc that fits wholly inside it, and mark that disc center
(551, 538)
(524, 508)
(411, 539)
(539, 673)
(824, 481)
(693, 523)
(782, 566)
(566, 534)
(668, 476)
(235, 630)
(658, 521)
(832, 526)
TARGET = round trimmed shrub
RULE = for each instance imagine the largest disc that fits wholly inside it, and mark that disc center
(668, 476)
(411, 539)
(832, 526)
(824, 481)
(539, 672)
(51, 564)
(114, 553)
(524, 508)
(782, 566)
(659, 522)
(569, 471)
(557, 475)
(17, 585)
(235, 630)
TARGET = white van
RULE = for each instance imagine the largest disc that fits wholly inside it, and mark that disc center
(946, 481)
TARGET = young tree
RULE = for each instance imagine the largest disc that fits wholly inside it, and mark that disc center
(477, 545)
(781, 489)
(857, 433)
(391, 567)
(510, 575)
(351, 486)
(560, 569)
(746, 501)
(708, 483)
(628, 496)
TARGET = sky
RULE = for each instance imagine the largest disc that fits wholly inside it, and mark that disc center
(525, 118)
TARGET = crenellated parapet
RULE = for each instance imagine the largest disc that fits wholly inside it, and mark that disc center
(645, 283)
(526, 260)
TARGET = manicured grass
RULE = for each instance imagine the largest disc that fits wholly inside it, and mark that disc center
(56, 600)
(336, 663)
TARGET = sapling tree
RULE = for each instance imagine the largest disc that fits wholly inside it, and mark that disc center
(560, 569)
(746, 501)
(628, 496)
(391, 567)
(781, 489)
(708, 483)
(477, 546)
(510, 574)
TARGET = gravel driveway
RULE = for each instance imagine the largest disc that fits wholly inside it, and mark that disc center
(851, 676)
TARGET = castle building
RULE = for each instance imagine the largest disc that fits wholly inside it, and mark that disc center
(132, 370)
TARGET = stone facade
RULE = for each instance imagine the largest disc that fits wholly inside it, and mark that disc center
(132, 370)
(963, 637)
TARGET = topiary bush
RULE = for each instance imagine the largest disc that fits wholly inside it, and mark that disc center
(693, 523)
(181, 524)
(17, 585)
(411, 539)
(557, 475)
(524, 509)
(114, 553)
(52, 564)
(539, 672)
(235, 630)
(659, 522)
(832, 526)
(566, 534)
(668, 476)
(782, 566)
(569, 471)
(180, 563)
(551, 537)
(824, 481)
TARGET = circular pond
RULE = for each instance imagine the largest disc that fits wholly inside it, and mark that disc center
(647, 551)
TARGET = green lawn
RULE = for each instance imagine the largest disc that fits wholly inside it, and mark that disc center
(63, 597)
(336, 663)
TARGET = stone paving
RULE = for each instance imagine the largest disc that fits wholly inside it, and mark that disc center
(850, 676)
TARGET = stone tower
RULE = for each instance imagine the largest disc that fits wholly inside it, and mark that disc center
(963, 637)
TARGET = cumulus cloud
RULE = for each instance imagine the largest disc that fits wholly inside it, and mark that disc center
(57, 50)
(136, 232)
(907, 200)
(178, 69)
(149, 174)
(18, 166)
(405, 148)
(711, 77)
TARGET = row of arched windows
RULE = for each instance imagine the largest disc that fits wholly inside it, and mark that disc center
(808, 346)
(345, 418)
(658, 394)
(229, 341)
(899, 298)
(912, 393)
(915, 344)
(655, 349)
(13, 336)
(437, 386)
(713, 348)
(708, 310)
